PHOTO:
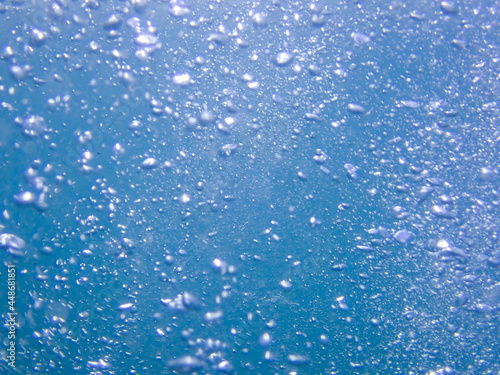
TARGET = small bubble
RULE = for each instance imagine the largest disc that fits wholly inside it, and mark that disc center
(283, 58)
(25, 197)
(182, 79)
(286, 284)
(149, 163)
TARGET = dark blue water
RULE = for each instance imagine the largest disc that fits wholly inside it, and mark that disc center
(250, 188)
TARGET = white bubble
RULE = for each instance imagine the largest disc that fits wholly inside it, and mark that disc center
(146, 39)
(286, 284)
(25, 197)
(403, 236)
(182, 79)
(12, 241)
(298, 359)
(356, 108)
(125, 306)
(178, 9)
(283, 58)
(360, 38)
(265, 339)
(149, 163)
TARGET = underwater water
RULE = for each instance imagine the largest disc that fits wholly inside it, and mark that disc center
(275, 187)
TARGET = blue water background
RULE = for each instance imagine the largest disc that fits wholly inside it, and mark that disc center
(445, 65)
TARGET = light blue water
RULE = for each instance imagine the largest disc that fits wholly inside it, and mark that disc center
(251, 188)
